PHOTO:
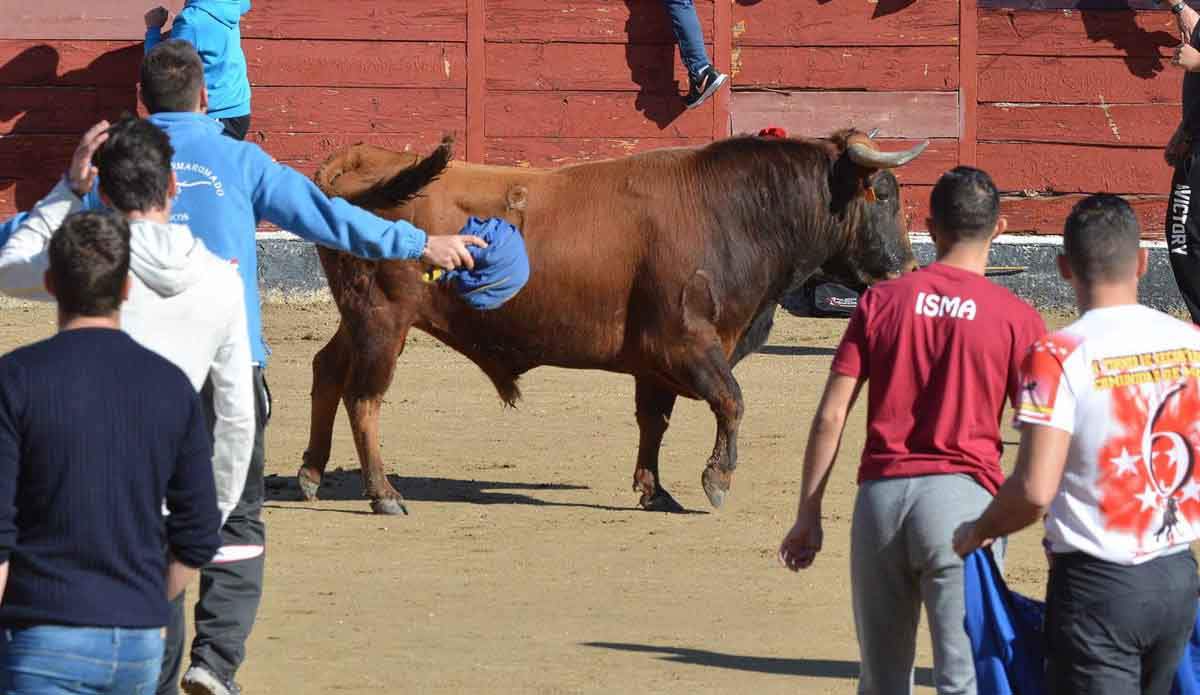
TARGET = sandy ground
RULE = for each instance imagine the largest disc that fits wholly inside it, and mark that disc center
(524, 566)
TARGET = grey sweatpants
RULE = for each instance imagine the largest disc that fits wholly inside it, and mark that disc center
(901, 557)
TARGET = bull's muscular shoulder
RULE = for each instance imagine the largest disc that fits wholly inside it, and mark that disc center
(351, 172)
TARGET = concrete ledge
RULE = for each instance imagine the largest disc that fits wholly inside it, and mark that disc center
(288, 270)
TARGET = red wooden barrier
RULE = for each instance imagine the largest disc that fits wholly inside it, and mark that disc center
(1055, 103)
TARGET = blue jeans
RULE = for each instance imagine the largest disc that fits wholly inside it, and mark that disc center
(689, 35)
(60, 660)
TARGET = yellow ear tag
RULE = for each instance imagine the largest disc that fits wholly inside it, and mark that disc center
(432, 275)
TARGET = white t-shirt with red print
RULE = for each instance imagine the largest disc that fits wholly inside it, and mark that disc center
(1125, 382)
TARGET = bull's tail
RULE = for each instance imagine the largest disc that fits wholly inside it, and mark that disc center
(408, 182)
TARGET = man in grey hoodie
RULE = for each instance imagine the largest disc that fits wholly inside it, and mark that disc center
(184, 302)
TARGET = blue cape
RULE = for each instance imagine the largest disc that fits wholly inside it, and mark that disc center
(1009, 645)
(501, 269)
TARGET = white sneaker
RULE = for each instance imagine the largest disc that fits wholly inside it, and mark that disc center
(200, 681)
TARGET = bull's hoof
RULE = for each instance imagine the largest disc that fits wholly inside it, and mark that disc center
(661, 501)
(308, 486)
(716, 486)
(391, 506)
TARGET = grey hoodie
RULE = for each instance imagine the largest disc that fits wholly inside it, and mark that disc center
(184, 303)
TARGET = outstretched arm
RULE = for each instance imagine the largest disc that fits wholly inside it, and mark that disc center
(1028, 492)
(286, 198)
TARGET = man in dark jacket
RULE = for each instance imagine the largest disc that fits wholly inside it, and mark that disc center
(95, 432)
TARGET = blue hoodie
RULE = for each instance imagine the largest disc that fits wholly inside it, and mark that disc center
(225, 187)
(212, 26)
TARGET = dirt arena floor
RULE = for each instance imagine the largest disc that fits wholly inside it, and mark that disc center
(524, 566)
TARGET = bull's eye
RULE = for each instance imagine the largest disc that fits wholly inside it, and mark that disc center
(884, 196)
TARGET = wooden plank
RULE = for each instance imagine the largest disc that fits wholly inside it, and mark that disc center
(925, 68)
(1046, 214)
(941, 156)
(881, 23)
(306, 151)
(17, 195)
(968, 91)
(594, 114)
(1134, 125)
(312, 110)
(1113, 33)
(356, 63)
(66, 63)
(427, 20)
(476, 80)
(817, 114)
(65, 19)
(555, 152)
(722, 60)
(61, 110)
(1072, 81)
(649, 68)
(1048, 168)
(915, 201)
(587, 21)
(29, 166)
(1070, 5)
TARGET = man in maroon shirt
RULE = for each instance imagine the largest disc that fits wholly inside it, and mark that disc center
(940, 348)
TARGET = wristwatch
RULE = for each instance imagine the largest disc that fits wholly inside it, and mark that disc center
(1177, 8)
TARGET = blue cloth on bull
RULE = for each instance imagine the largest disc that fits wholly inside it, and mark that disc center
(1005, 630)
(1008, 641)
(7, 227)
(501, 269)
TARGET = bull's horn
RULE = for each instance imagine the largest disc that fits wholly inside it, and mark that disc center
(865, 156)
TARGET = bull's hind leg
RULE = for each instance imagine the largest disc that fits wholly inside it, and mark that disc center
(654, 407)
(713, 380)
(330, 367)
(371, 370)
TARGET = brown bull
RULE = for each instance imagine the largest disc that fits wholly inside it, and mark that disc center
(666, 265)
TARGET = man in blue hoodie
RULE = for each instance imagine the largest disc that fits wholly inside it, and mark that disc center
(213, 27)
(225, 187)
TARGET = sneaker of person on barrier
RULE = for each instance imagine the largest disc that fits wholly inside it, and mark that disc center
(939, 350)
(703, 79)
(1109, 413)
(95, 432)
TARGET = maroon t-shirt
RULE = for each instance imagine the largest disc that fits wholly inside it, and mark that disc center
(940, 349)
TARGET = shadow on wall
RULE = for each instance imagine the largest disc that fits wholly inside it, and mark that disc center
(48, 119)
(1140, 48)
(813, 668)
(650, 55)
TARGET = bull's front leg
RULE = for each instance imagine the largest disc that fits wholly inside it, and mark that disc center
(370, 375)
(713, 380)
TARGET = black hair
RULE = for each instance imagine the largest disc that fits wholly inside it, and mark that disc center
(1101, 239)
(89, 261)
(172, 77)
(965, 204)
(135, 165)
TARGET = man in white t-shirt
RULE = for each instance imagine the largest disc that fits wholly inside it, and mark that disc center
(1110, 426)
